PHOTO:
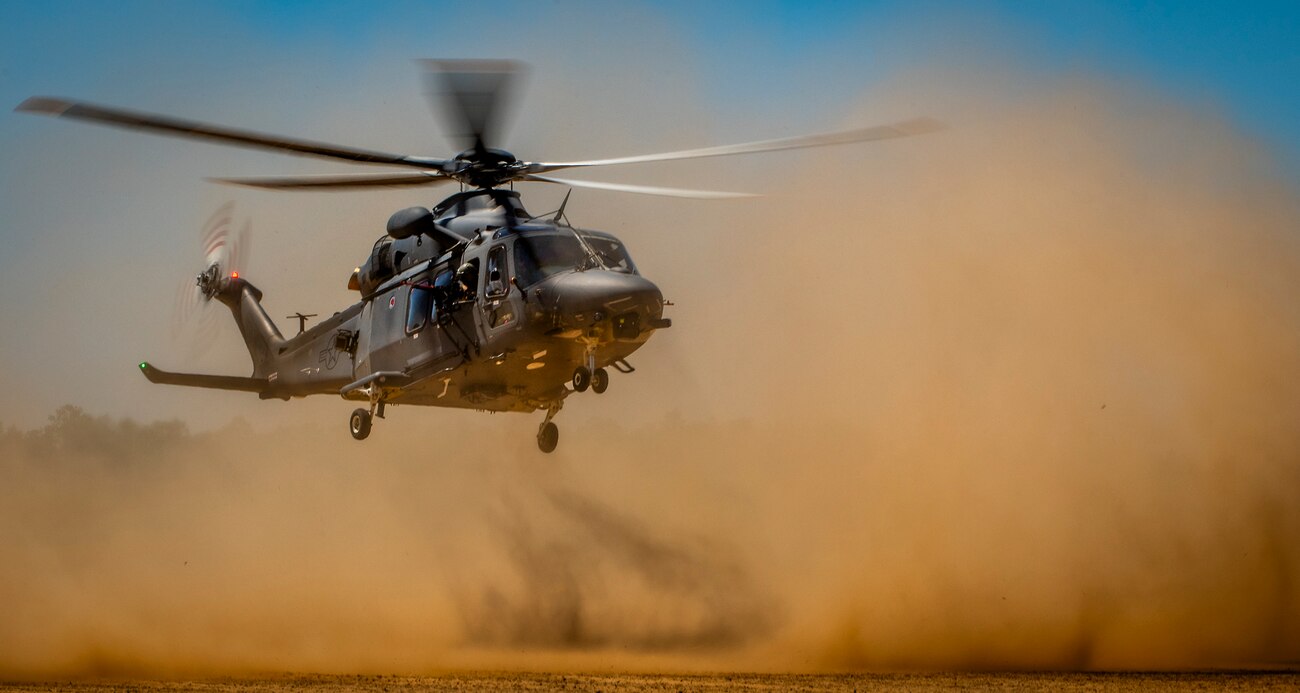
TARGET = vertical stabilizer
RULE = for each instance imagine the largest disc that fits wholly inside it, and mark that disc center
(261, 336)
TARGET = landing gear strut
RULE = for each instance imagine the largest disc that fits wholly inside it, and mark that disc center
(583, 375)
(548, 434)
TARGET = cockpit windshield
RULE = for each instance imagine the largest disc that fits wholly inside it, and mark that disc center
(611, 252)
(538, 255)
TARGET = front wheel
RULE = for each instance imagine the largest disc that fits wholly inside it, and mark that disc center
(581, 379)
(600, 380)
(359, 424)
(548, 437)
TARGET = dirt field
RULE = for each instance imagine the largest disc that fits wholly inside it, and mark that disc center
(1277, 680)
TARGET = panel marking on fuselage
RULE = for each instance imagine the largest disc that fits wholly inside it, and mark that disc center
(328, 356)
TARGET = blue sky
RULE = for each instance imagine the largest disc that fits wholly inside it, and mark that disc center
(1243, 58)
(686, 74)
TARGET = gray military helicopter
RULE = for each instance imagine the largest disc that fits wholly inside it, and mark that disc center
(473, 303)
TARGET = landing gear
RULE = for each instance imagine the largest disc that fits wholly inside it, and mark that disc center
(359, 423)
(361, 420)
(581, 379)
(548, 434)
(600, 380)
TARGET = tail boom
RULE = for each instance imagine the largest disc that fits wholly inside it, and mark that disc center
(316, 361)
(214, 382)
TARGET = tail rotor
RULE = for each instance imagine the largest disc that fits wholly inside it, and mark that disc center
(195, 320)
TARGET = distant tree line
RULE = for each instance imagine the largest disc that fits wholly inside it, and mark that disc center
(71, 433)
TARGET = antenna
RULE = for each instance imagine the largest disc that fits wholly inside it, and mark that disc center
(560, 212)
(302, 320)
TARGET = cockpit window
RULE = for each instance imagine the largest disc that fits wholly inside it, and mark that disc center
(539, 255)
(611, 252)
(496, 274)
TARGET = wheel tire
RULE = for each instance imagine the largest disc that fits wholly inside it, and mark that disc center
(548, 437)
(581, 379)
(600, 380)
(359, 424)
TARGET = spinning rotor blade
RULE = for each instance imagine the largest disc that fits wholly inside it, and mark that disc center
(239, 252)
(195, 324)
(474, 96)
(221, 246)
(177, 127)
(332, 182)
(642, 189)
(917, 126)
(196, 319)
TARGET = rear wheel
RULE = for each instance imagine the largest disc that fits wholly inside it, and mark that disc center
(548, 436)
(600, 380)
(359, 424)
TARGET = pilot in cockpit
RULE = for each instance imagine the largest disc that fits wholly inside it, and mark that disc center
(466, 281)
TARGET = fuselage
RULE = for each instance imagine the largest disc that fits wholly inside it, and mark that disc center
(498, 321)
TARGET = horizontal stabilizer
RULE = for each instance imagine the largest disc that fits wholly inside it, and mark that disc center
(216, 382)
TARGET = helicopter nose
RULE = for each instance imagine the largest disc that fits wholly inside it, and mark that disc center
(633, 303)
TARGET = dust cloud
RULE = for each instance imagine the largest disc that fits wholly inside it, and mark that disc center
(1022, 394)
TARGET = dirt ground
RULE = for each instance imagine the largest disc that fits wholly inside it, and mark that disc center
(507, 681)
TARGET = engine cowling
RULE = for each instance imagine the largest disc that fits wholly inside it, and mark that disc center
(411, 221)
(390, 257)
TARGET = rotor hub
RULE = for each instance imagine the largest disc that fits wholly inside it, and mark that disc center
(209, 280)
(484, 167)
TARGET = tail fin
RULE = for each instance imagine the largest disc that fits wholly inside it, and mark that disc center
(261, 336)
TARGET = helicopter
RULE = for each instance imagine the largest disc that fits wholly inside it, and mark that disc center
(473, 302)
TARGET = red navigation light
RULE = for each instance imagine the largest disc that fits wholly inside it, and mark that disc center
(234, 275)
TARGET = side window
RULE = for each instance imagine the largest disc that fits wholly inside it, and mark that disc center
(496, 273)
(443, 281)
(418, 308)
(444, 293)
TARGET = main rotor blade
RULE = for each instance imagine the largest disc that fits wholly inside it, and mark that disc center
(333, 182)
(642, 189)
(176, 127)
(906, 128)
(474, 96)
